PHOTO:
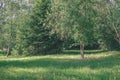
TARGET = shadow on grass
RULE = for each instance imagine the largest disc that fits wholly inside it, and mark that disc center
(2, 52)
(76, 52)
(49, 63)
(59, 64)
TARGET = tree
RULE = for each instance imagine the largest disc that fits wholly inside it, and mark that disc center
(10, 27)
(2, 22)
(22, 21)
(108, 24)
(37, 39)
(11, 21)
(7, 30)
(73, 19)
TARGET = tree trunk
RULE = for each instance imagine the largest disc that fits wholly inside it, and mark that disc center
(10, 41)
(9, 50)
(82, 50)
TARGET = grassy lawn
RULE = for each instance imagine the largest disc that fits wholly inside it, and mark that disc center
(98, 65)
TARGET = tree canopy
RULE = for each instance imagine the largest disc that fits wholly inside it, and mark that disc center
(34, 27)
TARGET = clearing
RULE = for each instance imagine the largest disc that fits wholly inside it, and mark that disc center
(98, 65)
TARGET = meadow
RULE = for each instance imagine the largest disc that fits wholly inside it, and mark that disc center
(97, 65)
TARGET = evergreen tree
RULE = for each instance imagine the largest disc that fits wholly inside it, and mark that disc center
(39, 40)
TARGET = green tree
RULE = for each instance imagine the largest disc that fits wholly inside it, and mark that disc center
(74, 19)
(7, 24)
(36, 37)
(22, 21)
(108, 25)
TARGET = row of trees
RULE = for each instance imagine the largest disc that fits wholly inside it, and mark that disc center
(47, 26)
(87, 22)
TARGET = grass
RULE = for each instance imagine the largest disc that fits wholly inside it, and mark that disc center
(98, 65)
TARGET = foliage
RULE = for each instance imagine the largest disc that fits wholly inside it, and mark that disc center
(48, 26)
(39, 41)
(74, 20)
(108, 26)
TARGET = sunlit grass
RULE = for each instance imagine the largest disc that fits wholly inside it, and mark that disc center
(95, 66)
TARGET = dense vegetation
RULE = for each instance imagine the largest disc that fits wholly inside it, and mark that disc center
(35, 27)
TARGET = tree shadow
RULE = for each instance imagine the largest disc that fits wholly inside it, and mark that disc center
(106, 62)
(76, 52)
(59, 64)
(2, 53)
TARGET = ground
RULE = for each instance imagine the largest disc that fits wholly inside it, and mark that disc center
(97, 65)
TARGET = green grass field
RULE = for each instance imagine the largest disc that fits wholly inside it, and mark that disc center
(97, 65)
